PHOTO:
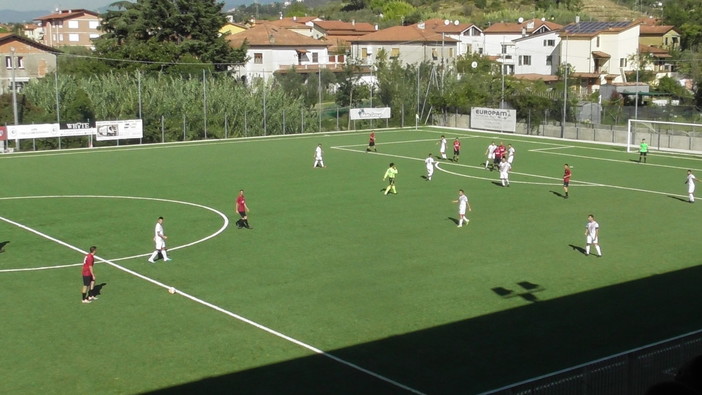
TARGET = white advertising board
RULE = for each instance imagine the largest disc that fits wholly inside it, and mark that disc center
(370, 113)
(493, 119)
(118, 130)
(38, 131)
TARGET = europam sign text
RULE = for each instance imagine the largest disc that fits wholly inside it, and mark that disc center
(370, 113)
(493, 119)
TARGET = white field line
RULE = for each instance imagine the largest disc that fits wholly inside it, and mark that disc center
(222, 215)
(579, 182)
(627, 161)
(220, 309)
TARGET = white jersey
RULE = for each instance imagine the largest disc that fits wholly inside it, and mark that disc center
(691, 179)
(462, 204)
(318, 153)
(158, 231)
(592, 228)
(443, 145)
(430, 162)
(510, 154)
(491, 151)
(505, 167)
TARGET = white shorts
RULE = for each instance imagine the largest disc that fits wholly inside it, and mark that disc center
(160, 243)
(510, 159)
(691, 188)
(504, 174)
(430, 170)
(592, 240)
(491, 156)
(462, 211)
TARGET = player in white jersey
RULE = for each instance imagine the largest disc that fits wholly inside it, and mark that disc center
(690, 181)
(431, 164)
(442, 147)
(490, 152)
(592, 234)
(160, 240)
(510, 153)
(318, 161)
(505, 168)
(462, 206)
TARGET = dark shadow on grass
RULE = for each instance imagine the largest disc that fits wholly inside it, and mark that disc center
(97, 289)
(424, 177)
(560, 195)
(3, 244)
(497, 183)
(488, 351)
(455, 220)
(678, 198)
(577, 248)
(635, 161)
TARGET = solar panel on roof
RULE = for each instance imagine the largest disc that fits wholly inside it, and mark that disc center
(593, 27)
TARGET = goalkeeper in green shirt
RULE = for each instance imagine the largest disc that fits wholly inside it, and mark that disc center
(643, 150)
(390, 174)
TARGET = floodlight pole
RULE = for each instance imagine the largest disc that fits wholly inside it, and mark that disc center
(636, 104)
(14, 92)
(565, 90)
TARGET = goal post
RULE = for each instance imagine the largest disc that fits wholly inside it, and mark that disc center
(664, 136)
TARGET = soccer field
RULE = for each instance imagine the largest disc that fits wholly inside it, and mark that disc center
(338, 288)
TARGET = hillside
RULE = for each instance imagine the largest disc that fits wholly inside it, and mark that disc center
(607, 10)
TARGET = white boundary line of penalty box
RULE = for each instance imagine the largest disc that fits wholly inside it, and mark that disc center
(224, 311)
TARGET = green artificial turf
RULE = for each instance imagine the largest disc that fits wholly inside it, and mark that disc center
(387, 283)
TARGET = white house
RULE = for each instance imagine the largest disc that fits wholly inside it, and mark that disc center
(599, 51)
(537, 54)
(469, 36)
(272, 49)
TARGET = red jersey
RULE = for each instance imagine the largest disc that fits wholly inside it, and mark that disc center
(88, 263)
(566, 175)
(456, 145)
(240, 203)
(372, 138)
(500, 151)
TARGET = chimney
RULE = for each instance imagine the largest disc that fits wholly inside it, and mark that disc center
(577, 19)
(376, 26)
(294, 18)
(523, 31)
(353, 22)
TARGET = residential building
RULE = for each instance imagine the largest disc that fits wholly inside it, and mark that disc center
(23, 60)
(537, 54)
(470, 36)
(599, 52)
(330, 29)
(408, 44)
(660, 36)
(69, 28)
(499, 35)
(272, 49)
(300, 25)
(231, 28)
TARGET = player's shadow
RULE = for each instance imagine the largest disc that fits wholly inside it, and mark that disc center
(455, 220)
(577, 248)
(97, 289)
(678, 198)
(424, 178)
(560, 195)
(497, 183)
(635, 161)
(3, 244)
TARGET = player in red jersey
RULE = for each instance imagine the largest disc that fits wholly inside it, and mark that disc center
(371, 142)
(243, 211)
(500, 151)
(456, 149)
(89, 276)
(566, 179)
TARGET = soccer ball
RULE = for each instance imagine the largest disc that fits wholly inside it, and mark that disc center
(171, 290)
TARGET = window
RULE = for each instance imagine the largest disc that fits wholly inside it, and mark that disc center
(74, 37)
(20, 62)
(434, 54)
(597, 42)
(525, 60)
(364, 53)
(622, 62)
(450, 52)
(258, 58)
(93, 24)
(504, 49)
(549, 43)
(315, 57)
(8, 62)
(549, 60)
(73, 24)
(94, 36)
(394, 53)
(18, 59)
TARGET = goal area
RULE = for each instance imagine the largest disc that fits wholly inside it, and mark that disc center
(664, 136)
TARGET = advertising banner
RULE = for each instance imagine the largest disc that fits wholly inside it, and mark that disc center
(118, 130)
(370, 113)
(38, 131)
(3, 133)
(493, 119)
(77, 128)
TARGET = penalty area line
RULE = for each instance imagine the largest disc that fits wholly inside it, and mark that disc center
(220, 309)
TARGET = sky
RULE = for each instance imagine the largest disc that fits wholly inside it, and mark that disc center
(50, 5)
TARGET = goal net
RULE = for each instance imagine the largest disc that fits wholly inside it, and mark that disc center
(664, 136)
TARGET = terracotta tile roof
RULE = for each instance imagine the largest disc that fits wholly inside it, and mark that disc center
(269, 35)
(403, 34)
(286, 23)
(656, 30)
(439, 26)
(536, 77)
(345, 28)
(654, 51)
(338, 42)
(66, 14)
(516, 28)
(9, 37)
(600, 54)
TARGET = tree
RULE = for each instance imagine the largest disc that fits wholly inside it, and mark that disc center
(161, 33)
